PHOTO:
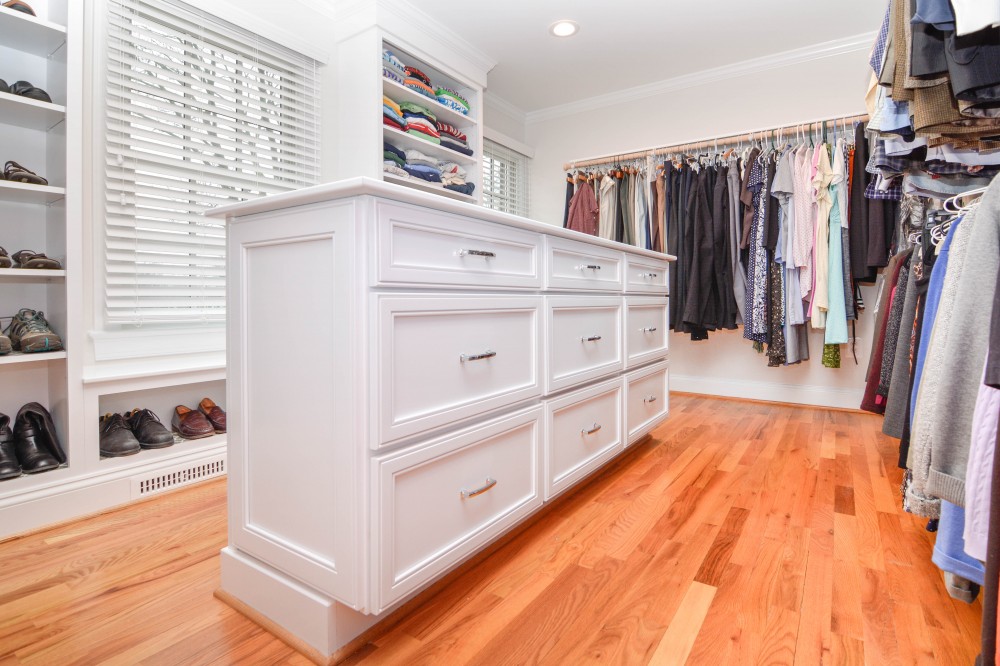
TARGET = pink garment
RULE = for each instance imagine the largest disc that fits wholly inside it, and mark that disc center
(583, 210)
(978, 476)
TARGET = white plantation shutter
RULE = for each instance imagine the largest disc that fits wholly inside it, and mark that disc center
(505, 179)
(199, 114)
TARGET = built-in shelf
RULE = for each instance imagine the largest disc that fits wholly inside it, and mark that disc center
(406, 141)
(22, 111)
(424, 185)
(31, 275)
(30, 34)
(28, 482)
(37, 357)
(28, 193)
(180, 448)
(400, 93)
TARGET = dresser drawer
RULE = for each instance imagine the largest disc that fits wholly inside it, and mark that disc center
(436, 504)
(645, 330)
(571, 265)
(415, 246)
(442, 359)
(583, 430)
(583, 339)
(646, 400)
(645, 276)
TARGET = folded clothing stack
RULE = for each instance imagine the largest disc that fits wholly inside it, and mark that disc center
(453, 139)
(422, 166)
(452, 100)
(417, 80)
(453, 178)
(392, 115)
(393, 160)
(420, 122)
(392, 68)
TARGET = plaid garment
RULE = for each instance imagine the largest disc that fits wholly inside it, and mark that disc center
(878, 51)
(884, 165)
(889, 190)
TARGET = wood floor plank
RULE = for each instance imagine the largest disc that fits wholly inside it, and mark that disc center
(739, 533)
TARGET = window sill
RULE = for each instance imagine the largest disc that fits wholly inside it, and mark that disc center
(141, 344)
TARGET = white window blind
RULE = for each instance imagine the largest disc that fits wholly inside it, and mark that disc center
(505, 179)
(199, 113)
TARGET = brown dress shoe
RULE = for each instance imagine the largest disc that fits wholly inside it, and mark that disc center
(190, 424)
(215, 415)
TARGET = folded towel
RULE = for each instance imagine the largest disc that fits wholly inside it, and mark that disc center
(419, 109)
(451, 130)
(417, 85)
(391, 167)
(422, 125)
(423, 135)
(392, 105)
(389, 156)
(392, 75)
(465, 150)
(468, 188)
(386, 120)
(449, 92)
(394, 150)
(417, 74)
(427, 173)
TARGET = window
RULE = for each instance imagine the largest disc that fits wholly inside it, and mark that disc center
(505, 179)
(199, 113)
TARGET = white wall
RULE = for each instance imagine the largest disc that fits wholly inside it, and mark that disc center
(725, 364)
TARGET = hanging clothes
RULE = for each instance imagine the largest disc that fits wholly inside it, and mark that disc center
(583, 210)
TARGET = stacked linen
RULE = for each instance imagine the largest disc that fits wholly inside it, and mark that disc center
(422, 166)
(392, 68)
(392, 115)
(452, 100)
(393, 160)
(418, 81)
(453, 177)
(452, 138)
(420, 122)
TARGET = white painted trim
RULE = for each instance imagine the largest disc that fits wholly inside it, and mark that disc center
(140, 376)
(231, 12)
(132, 344)
(504, 140)
(490, 100)
(796, 394)
(741, 69)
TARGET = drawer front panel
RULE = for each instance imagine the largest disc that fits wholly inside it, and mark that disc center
(422, 247)
(436, 505)
(645, 276)
(571, 266)
(444, 359)
(583, 431)
(646, 325)
(646, 400)
(583, 339)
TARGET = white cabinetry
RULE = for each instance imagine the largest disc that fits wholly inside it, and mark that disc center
(409, 378)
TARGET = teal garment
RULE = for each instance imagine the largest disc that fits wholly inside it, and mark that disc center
(836, 316)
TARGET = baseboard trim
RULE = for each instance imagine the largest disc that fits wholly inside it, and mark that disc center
(792, 394)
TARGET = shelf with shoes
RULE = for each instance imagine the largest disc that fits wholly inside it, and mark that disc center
(31, 275)
(30, 193)
(30, 113)
(30, 34)
(36, 357)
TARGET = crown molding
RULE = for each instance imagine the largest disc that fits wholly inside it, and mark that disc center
(327, 8)
(829, 49)
(496, 103)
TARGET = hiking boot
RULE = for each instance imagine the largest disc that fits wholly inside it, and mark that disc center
(30, 332)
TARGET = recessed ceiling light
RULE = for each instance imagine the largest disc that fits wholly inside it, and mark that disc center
(564, 28)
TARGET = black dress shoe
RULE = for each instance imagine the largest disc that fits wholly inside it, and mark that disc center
(148, 429)
(26, 89)
(9, 466)
(116, 438)
(31, 443)
(42, 420)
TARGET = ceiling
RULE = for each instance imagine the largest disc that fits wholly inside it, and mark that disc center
(621, 45)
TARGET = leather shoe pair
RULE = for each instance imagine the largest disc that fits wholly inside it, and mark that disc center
(124, 435)
(215, 415)
(33, 446)
(191, 424)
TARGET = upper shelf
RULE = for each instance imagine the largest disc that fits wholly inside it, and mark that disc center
(400, 93)
(29, 113)
(28, 193)
(408, 141)
(23, 32)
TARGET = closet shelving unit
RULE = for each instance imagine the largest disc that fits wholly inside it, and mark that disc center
(470, 125)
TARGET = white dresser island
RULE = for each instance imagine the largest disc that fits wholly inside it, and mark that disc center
(409, 377)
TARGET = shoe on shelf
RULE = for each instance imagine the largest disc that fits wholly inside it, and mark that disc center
(5, 260)
(41, 420)
(32, 443)
(26, 89)
(20, 6)
(5, 345)
(148, 429)
(191, 424)
(32, 259)
(4, 88)
(216, 416)
(10, 468)
(30, 333)
(14, 172)
(116, 438)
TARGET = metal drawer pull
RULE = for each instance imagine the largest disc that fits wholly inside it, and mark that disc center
(649, 398)
(466, 494)
(589, 267)
(590, 338)
(648, 275)
(477, 357)
(477, 253)
(597, 426)
(648, 329)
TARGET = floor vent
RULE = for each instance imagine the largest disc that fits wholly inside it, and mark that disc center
(179, 476)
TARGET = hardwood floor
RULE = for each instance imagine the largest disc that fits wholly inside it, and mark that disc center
(741, 533)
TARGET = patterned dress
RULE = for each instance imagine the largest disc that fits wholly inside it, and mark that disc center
(756, 325)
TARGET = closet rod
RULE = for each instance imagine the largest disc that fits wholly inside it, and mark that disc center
(811, 125)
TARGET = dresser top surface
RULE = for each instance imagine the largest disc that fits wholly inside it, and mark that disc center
(353, 187)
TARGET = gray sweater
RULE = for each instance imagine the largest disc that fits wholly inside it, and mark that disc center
(899, 386)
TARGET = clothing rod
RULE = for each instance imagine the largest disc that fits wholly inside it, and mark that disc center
(697, 144)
